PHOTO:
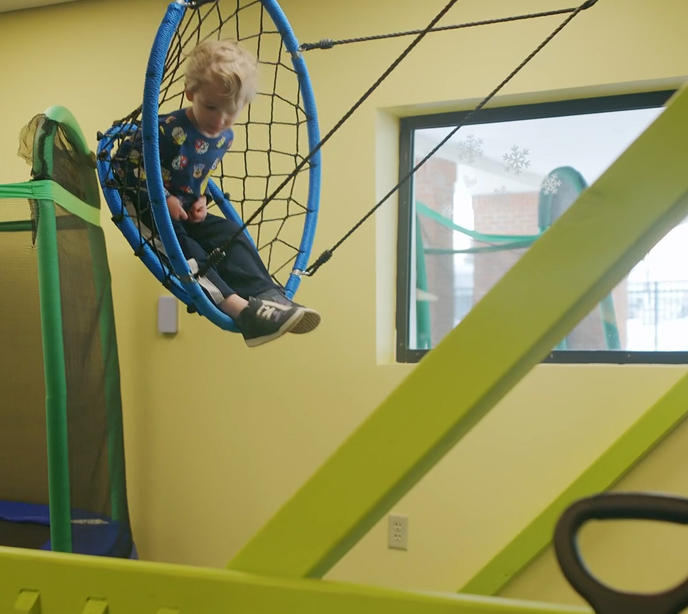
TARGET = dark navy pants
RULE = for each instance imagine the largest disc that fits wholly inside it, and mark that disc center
(241, 272)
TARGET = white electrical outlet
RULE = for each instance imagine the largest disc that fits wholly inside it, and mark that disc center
(397, 534)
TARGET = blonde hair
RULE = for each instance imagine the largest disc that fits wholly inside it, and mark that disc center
(227, 64)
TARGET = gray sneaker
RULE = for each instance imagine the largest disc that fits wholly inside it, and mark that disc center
(311, 318)
(263, 321)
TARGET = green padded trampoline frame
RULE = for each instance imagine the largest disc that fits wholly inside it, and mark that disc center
(46, 194)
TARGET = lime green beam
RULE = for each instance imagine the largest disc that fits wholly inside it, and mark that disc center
(59, 583)
(626, 452)
(557, 282)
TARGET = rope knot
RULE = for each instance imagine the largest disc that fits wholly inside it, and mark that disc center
(322, 259)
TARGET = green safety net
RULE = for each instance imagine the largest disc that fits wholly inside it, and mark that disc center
(62, 470)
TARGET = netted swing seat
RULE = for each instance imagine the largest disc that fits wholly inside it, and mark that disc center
(269, 159)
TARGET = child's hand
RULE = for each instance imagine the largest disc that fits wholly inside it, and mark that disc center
(176, 210)
(198, 211)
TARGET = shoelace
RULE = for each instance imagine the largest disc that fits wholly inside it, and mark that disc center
(266, 312)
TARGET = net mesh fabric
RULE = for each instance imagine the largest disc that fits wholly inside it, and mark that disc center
(97, 478)
(270, 137)
(23, 454)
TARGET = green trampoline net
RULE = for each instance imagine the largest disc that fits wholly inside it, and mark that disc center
(61, 440)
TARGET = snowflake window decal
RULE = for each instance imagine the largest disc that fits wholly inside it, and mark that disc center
(471, 149)
(551, 184)
(516, 160)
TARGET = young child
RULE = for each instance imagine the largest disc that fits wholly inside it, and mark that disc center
(221, 78)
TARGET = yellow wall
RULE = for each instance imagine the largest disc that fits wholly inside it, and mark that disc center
(629, 555)
(219, 436)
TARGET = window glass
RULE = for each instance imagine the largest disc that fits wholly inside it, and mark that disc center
(479, 203)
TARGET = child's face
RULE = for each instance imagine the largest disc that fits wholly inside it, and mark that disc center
(210, 110)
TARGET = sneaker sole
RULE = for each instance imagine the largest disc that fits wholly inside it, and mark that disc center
(310, 321)
(285, 328)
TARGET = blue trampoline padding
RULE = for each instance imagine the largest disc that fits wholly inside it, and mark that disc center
(92, 533)
(14, 511)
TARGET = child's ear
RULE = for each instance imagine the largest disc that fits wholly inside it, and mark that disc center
(189, 95)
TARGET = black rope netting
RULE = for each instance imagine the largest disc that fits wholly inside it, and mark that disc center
(270, 138)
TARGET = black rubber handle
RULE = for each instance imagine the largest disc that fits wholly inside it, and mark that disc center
(618, 506)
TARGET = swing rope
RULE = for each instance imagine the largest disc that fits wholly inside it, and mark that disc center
(328, 43)
(219, 253)
(327, 254)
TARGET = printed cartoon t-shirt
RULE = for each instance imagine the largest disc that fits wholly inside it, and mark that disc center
(187, 157)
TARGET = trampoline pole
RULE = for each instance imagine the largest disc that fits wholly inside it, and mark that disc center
(53, 352)
(55, 379)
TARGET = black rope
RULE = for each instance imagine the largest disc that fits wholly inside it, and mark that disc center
(327, 254)
(328, 43)
(219, 253)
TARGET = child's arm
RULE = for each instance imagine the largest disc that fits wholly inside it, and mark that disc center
(176, 210)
